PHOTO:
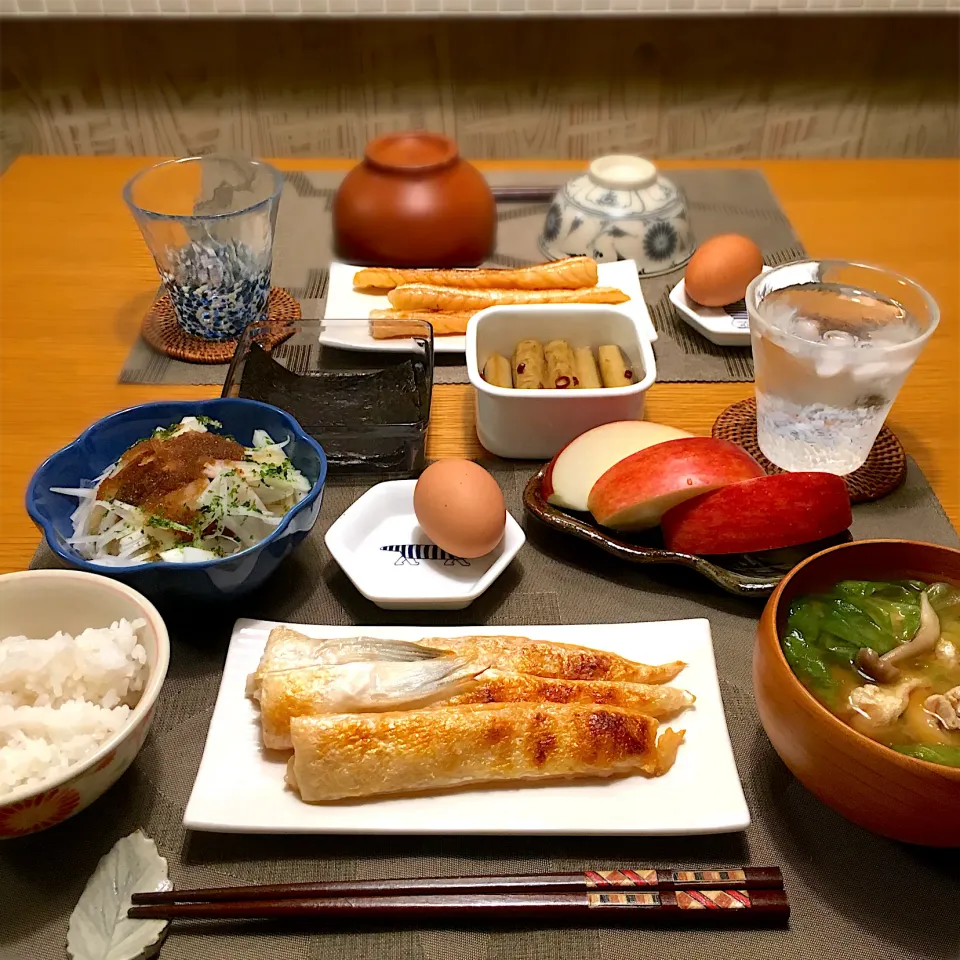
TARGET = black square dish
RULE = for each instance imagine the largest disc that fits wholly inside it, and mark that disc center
(366, 402)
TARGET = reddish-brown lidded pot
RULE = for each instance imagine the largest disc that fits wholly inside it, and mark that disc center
(414, 202)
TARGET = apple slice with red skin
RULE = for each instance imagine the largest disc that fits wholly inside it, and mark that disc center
(571, 474)
(636, 492)
(768, 513)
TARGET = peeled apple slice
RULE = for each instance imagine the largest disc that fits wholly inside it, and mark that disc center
(768, 513)
(572, 473)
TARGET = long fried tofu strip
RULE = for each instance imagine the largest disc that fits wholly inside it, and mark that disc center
(423, 296)
(386, 324)
(303, 693)
(570, 273)
(370, 754)
(561, 661)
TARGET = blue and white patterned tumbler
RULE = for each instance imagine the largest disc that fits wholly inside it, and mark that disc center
(209, 223)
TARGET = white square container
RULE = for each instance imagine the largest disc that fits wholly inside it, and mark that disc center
(536, 424)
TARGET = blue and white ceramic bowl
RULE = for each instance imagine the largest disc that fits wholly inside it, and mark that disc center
(103, 443)
(620, 209)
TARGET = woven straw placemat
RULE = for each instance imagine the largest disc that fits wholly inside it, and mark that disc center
(854, 895)
(719, 201)
(884, 470)
(165, 336)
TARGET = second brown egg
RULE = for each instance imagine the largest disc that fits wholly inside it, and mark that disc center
(721, 270)
(460, 507)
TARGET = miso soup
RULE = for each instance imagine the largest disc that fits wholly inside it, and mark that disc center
(885, 658)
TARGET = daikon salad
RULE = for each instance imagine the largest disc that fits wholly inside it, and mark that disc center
(183, 495)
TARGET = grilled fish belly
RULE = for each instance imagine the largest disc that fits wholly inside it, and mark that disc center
(364, 755)
(495, 686)
(314, 691)
(423, 296)
(572, 272)
(562, 661)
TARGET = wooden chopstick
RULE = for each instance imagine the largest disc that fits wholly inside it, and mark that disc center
(642, 878)
(524, 194)
(733, 905)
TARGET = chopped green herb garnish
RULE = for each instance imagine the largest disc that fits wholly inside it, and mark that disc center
(155, 520)
(276, 471)
(208, 421)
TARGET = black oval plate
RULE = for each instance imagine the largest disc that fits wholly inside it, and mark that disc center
(742, 574)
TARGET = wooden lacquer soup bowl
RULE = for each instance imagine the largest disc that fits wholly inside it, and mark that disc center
(870, 784)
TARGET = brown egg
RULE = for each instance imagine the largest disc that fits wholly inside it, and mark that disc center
(721, 269)
(460, 507)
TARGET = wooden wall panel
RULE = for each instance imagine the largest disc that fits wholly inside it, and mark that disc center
(771, 87)
(918, 116)
(820, 110)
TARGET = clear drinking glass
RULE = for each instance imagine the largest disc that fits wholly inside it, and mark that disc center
(832, 344)
(209, 223)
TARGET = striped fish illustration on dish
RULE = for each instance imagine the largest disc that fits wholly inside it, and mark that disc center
(413, 553)
(738, 314)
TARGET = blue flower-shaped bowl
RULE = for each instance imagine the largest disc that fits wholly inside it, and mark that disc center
(105, 441)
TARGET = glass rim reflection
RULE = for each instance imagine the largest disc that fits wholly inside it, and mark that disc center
(137, 208)
(814, 268)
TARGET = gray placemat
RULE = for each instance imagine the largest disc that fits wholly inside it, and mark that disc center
(854, 895)
(719, 201)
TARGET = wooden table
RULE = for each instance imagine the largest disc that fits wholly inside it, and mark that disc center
(76, 279)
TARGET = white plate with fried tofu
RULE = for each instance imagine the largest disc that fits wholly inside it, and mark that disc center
(345, 302)
(241, 786)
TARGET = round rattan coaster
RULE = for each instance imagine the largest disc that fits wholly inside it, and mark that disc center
(884, 471)
(161, 330)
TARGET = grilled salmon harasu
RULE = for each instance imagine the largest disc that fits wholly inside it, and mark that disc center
(286, 649)
(286, 694)
(361, 755)
(426, 296)
(571, 273)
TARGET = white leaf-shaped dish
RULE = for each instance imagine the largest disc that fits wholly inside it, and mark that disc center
(99, 926)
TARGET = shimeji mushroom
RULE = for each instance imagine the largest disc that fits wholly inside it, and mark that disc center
(883, 669)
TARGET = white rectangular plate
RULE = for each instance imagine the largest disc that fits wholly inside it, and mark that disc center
(240, 787)
(346, 303)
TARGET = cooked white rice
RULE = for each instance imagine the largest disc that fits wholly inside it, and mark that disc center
(62, 698)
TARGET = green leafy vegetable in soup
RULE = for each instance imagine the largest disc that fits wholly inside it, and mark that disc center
(932, 753)
(884, 656)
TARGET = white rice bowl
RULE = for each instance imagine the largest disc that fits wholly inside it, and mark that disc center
(62, 698)
(82, 661)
